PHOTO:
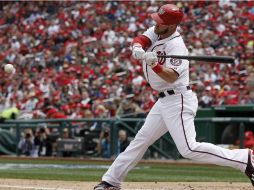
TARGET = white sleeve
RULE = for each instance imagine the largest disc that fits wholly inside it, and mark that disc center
(151, 35)
(178, 65)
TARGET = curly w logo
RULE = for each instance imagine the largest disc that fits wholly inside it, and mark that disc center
(161, 11)
(161, 60)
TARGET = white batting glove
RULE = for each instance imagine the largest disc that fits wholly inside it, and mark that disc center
(151, 59)
(138, 52)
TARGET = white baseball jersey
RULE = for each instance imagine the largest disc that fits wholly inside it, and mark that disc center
(173, 45)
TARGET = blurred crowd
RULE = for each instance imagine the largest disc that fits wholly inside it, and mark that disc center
(73, 59)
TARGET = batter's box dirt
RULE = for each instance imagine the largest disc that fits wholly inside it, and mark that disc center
(18, 184)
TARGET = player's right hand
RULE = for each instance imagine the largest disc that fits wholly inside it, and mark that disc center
(138, 52)
(151, 58)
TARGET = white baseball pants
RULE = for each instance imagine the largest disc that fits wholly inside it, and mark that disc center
(175, 114)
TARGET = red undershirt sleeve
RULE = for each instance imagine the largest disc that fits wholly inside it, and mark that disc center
(144, 41)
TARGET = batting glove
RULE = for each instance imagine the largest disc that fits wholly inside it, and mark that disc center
(151, 59)
(138, 52)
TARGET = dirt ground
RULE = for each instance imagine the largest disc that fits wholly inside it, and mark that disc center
(15, 184)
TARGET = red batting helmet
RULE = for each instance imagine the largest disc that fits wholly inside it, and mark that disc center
(168, 14)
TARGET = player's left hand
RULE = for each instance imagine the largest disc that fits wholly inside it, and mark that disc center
(151, 58)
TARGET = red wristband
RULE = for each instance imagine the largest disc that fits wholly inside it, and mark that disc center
(158, 68)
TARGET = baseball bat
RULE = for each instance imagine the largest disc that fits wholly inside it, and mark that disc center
(206, 58)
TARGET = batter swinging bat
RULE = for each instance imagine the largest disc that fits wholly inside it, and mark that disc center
(206, 58)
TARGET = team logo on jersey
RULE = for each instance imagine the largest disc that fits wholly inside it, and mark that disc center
(175, 62)
(161, 60)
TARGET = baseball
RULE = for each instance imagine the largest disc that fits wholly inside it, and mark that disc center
(8, 68)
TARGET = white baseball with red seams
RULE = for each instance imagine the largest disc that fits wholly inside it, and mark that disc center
(174, 114)
(9, 68)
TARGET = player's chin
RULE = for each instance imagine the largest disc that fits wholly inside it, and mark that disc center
(160, 32)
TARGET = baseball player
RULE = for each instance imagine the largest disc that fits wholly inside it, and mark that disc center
(176, 107)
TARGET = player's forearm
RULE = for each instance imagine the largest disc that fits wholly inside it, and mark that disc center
(169, 75)
(142, 41)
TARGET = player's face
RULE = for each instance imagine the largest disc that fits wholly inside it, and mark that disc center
(160, 29)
